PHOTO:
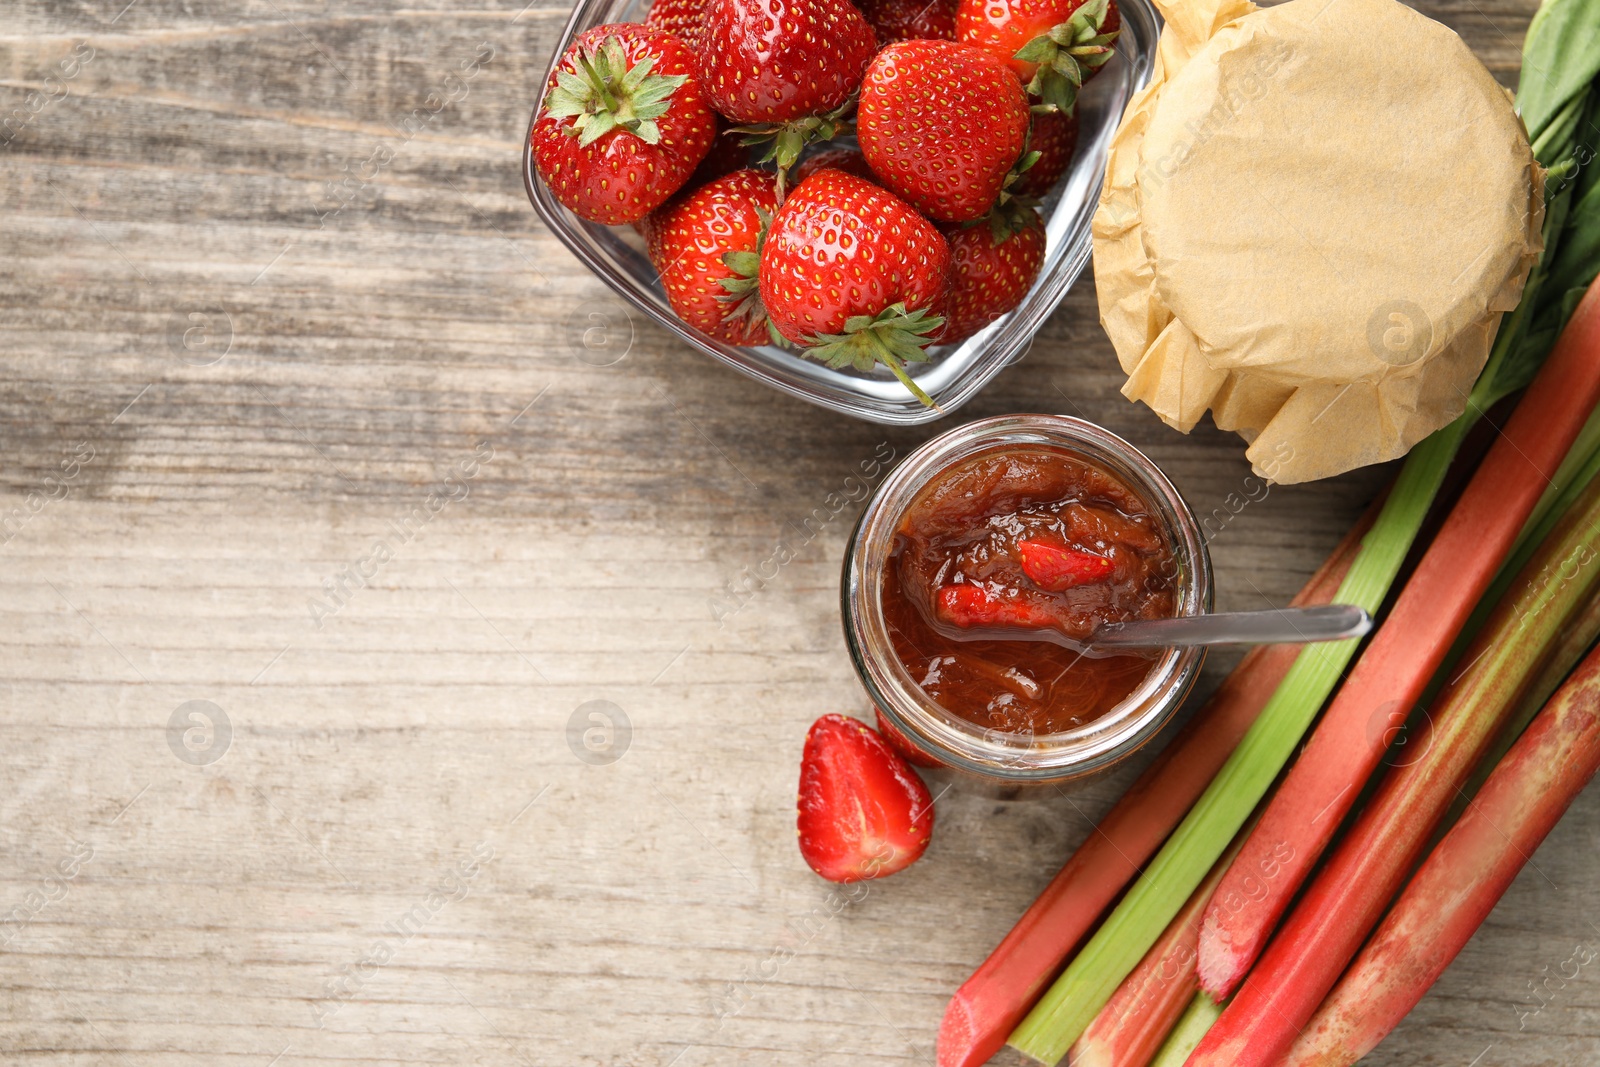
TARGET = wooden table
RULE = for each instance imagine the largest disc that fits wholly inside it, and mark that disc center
(266, 304)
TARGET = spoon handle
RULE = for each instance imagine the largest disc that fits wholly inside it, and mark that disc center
(1326, 622)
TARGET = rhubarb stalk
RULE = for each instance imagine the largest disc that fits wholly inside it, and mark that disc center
(1391, 675)
(1348, 896)
(1459, 884)
(989, 1004)
(1131, 1028)
(1201, 1014)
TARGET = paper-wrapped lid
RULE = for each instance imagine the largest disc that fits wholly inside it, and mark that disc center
(1312, 221)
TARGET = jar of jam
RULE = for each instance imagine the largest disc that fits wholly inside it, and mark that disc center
(1009, 525)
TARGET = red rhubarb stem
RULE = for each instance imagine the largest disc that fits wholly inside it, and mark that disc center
(1459, 884)
(1391, 674)
(1130, 1029)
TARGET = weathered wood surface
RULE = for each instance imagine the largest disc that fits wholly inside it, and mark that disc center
(396, 856)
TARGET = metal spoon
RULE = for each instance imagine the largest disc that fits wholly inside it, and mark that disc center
(1277, 626)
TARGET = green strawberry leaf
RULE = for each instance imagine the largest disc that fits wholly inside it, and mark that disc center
(893, 337)
(605, 94)
(784, 141)
(1067, 53)
(744, 288)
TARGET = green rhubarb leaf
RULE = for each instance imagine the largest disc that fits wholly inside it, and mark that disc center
(1556, 67)
(605, 94)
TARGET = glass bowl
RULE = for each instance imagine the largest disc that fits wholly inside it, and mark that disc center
(956, 372)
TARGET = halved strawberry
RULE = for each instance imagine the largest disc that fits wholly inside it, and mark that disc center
(855, 274)
(707, 247)
(1054, 136)
(1053, 45)
(911, 20)
(623, 123)
(993, 264)
(942, 124)
(785, 70)
(863, 812)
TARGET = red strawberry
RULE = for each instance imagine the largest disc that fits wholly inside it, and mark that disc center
(911, 20)
(942, 124)
(1058, 568)
(784, 68)
(863, 813)
(846, 159)
(623, 124)
(968, 605)
(855, 272)
(1053, 45)
(684, 19)
(707, 247)
(1054, 135)
(993, 265)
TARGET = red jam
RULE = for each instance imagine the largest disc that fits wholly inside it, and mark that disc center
(1028, 537)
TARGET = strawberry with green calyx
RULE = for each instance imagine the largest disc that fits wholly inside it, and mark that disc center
(1053, 45)
(1053, 136)
(706, 247)
(623, 123)
(942, 124)
(994, 263)
(911, 20)
(854, 274)
(785, 72)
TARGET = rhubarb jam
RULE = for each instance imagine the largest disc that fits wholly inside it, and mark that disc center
(1025, 536)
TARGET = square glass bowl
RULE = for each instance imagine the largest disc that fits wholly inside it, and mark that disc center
(956, 372)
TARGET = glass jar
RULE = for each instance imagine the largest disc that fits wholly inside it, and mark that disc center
(999, 758)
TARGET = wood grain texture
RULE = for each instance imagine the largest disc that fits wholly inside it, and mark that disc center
(398, 858)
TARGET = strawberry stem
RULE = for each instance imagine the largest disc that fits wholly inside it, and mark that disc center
(784, 141)
(893, 337)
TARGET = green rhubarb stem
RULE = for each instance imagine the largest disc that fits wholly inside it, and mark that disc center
(1063, 1013)
(1198, 1018)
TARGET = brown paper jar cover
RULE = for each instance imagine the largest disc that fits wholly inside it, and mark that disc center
(1312, 220)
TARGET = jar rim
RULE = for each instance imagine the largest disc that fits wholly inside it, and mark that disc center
(954, 739)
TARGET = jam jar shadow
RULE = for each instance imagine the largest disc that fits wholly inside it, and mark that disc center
(993, 761)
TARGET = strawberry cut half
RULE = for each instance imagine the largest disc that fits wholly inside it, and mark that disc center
(863, 812)
(1057, 568)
